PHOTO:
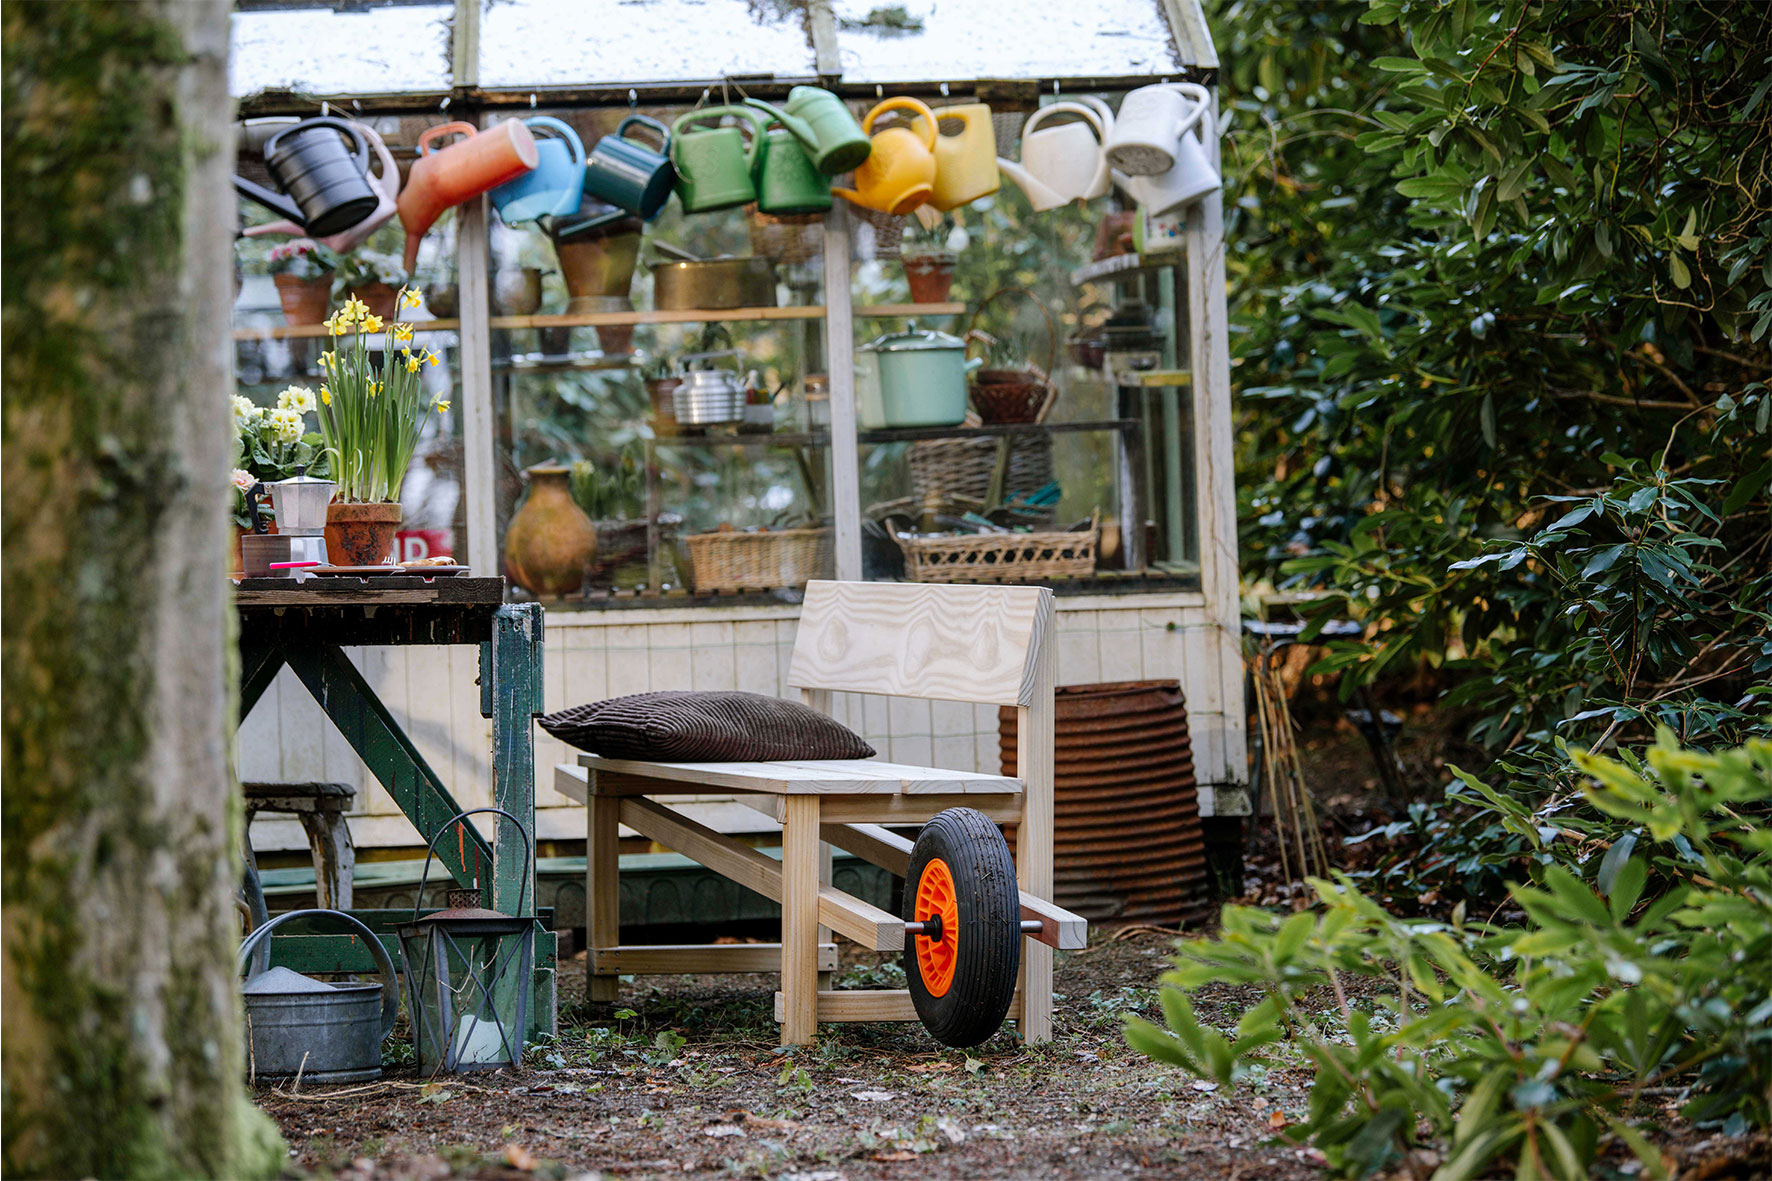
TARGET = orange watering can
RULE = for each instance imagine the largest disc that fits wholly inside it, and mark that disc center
(899, 174)
(460, 172)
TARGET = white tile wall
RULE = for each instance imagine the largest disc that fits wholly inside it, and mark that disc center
(592, 655)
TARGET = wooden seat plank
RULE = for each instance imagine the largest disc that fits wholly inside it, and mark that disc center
(812, 777)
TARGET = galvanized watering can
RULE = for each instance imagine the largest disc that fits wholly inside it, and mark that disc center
(328, 1033)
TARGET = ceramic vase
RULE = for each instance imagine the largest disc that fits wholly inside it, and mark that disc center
(361, 534)
(305, 301)
(550, 542)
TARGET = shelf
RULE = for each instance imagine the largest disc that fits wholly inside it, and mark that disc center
(1157, 379)
(596, 319)
(1123, 266)
(727, 438)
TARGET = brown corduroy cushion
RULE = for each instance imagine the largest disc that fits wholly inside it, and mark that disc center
(685, 727)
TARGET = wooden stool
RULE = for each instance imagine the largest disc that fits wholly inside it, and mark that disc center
(321, 808)
(987, 645)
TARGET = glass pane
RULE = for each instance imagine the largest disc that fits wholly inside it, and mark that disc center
(372, 49)
(587, 42)
(582, 378)
(278, 342)
(1066, 422)
(936, 41)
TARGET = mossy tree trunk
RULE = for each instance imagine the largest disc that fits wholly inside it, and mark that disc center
(122, 1026)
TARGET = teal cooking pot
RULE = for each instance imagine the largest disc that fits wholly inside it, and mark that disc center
(922, 377)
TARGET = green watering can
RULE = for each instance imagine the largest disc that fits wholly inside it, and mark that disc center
(820, 121)
(715, 164)
(787, 182)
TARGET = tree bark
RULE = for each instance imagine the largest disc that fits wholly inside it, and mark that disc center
(121, 1014)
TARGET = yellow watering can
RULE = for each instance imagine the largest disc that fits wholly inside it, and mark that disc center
(899, 174)
(966, 160)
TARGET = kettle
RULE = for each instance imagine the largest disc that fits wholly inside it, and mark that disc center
(1062, 163)
(325, 183)
(299, 503)
(708, 395)
(386, 187)
(899, 173)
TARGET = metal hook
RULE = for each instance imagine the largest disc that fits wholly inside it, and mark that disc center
(444, 105)
(944, 90)
(879, 91)
(633, 100)
(324, 109)
(532, 101)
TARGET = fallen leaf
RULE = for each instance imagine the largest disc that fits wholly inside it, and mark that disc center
(901, 1154)
(974, 1065)
(1276, 1120)
(951, 1130)
(519, 1157)
(774, 1125)
(873, 1096)
(930, 1067)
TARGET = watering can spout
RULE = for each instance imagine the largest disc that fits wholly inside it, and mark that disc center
(801, 129)
(275, 202)
(1038, 194)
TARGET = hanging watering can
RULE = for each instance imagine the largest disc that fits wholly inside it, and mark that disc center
(1151, 135)
(715, 164)
(553, 187)
(326, 182)
(328, 1033)
(463, 170)
(822, 123)
(899, 173)
(1062, 163)
(626, 173)
(787, 180)
(966, 160)
(387, 190)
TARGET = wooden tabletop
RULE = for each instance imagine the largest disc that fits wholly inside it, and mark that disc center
(384, 609)
(371, 591)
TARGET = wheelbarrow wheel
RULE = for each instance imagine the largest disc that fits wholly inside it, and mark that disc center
(961, 877)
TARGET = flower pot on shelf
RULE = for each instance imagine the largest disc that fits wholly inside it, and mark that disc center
(381, 299)
(930, 275)
(305, 301)
(361, 534)
(550, 541)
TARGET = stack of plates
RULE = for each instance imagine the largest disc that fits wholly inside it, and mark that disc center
(1127, 841)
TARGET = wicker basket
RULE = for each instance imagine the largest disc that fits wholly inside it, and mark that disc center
(1014, 395)
(760, 561)
(961, 469)
(788, 237)
(1002, 557)
(621, 550)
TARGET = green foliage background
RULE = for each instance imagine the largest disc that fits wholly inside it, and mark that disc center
(1502, 289)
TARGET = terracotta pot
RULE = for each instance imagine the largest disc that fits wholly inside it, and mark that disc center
(931, 276)
(305, 301)
(361, 534)
(550, 542)
(381, 299)
(598, 266)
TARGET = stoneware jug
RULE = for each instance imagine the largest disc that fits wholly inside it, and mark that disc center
(966, 159)
(553, 187)
(1152, 122)
(626, 173)
(899, 174)
(822, 123)
(715, 164)
(386, 187)
(787, 180)
(550, 542)
(1063, 162)
(465, 169)
(326, 181)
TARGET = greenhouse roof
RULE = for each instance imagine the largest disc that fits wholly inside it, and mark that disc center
(410, 54)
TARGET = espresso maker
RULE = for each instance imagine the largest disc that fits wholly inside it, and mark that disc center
(298, 505)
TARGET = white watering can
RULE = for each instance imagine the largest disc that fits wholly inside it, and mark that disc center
(1063, 163)
(1163, 171)
(386, 188)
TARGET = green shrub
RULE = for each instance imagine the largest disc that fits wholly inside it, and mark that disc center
(1480, 1045)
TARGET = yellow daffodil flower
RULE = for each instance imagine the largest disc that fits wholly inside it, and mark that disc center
(338, 325)
(325, 396)
(411, 364)
(440, 406)
(355, 309)
(327, 360)
(431, 358)
(375, 387)
(402, 332)
(409, 297)
(371, 324)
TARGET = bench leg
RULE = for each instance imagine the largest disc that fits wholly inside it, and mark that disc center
(602, 891)
(335, 858)
(799, 920)
(1033, 849)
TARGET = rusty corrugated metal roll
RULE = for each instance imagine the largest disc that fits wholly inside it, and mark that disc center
(1127, 842)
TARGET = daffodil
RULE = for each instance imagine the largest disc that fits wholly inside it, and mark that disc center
(411, 363)
(402, 332)
(338, 325)
(325, 396)
(372, 324)
(431, 358)
(409, 297)
(327, 360)
(354, 310)
(375, 387)
(440, 405)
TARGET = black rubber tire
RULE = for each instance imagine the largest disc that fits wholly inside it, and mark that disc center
(989, 953)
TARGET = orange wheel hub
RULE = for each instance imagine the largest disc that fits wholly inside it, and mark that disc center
(936, 899)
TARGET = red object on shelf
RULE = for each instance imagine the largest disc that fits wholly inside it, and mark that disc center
(412, 544)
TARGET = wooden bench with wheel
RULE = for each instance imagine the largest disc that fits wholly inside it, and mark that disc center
(979, 928)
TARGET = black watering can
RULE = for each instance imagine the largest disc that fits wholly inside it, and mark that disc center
(327, 185)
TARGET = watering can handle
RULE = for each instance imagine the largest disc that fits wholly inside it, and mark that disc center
(431, 133)
(1092, 117)
(384, 965)
(928, 130)
(575, 144)
(528, 853)
(797, 127)
(664, 133)
(357, 141)
(1202, 112)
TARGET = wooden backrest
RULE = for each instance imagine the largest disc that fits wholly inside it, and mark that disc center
(980, 644)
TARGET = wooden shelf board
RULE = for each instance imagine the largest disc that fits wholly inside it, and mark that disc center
(596, 319)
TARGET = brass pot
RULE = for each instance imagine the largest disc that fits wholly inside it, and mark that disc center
(714, 283)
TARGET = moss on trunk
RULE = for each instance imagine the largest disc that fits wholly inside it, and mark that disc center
(123, 1054)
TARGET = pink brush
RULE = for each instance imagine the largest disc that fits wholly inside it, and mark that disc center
(291, 565)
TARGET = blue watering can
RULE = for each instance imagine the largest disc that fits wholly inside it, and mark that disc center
(552, 188)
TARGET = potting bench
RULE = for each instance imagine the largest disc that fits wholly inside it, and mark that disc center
(308, 624)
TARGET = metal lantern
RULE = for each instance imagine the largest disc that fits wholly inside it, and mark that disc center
(468, 974)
